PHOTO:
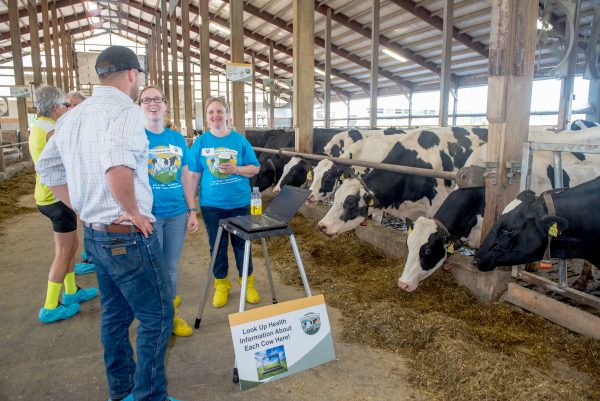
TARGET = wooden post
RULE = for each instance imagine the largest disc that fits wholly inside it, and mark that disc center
(56, 45)
(271, 109)
(374, 65)
(47, 45)
(34, 34)
(165, 48)
(410, 108)
(512, 47)
(71, 61)
(253, 90)
(187, 62)
(204, 59)
(566, 87)
(64, 58)
(15, 41)
(327, 99)
(304, 74)
(445, 83)
(236, 45)
(175, 70)
(158, 38)
(594, 100)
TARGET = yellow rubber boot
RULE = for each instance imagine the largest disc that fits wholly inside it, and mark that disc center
(251, 293)
(180, 326)
(222, 287)
(176, 301)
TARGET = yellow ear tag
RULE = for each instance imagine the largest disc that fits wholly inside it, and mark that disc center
(450, 248)
(341, 178)
(309, 175)
(371, 203)
(409, 230)
(553, 230)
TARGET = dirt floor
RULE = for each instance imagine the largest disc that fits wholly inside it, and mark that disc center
(63, 361)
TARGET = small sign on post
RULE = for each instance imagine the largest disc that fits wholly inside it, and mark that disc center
(239, 72)
(279, 340)
(20, 91)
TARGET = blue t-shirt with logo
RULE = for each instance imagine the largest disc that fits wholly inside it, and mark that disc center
(224, 191)
(167, 154)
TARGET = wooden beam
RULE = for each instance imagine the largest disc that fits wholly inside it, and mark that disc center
(73, 74)
(425, 15)
(512, 48)
(47, 45)
(36, 61)
(15, 41)
(158, 57)
(172, 6)
(64, 58)
(236, 26)
(253, 89)
(187, 74)
(204, 58)
(175, 74)
(24, 12)
(446, 62)
(374, 64)
(271, 110)
(165, 48)
(56, 46)
(304, 75)
(327, 70)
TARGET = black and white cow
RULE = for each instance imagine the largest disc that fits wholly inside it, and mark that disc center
(521, 233)
(295, 172)
(582, 124)
(270, 172)
(404, 195)
(459, 218)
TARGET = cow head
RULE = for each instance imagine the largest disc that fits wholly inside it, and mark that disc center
(294, 174)
(325, 177)
(429, 244)
(520, 235)
(350, 207)
(266, 176)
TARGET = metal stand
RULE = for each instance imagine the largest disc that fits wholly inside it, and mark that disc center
(224, 225)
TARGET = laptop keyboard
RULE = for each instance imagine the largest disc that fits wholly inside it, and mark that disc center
(263, 221)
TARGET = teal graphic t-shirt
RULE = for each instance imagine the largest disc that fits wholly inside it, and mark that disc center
(168, 153)
(225, 191)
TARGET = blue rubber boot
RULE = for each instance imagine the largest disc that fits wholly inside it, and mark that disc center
(84, 268)
(61, 312)
(128, 398)
(82, 295)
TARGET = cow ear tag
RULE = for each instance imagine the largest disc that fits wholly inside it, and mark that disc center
(553, 230)
(409, 230)
(450, 248)
(342, 177)
(309, 175)
(371, 202)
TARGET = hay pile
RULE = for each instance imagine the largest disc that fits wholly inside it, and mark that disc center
(12, 189)
(457, 348)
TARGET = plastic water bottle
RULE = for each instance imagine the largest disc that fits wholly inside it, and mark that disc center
(255, 201)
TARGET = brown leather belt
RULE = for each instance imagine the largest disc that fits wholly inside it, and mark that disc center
(114, 228)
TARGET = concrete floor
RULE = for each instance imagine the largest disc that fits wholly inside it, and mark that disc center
(63, 361)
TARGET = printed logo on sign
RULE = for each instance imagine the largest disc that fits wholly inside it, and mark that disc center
(311, 323)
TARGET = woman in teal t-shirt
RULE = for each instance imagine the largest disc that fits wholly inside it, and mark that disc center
(223, 161)
(167, 164)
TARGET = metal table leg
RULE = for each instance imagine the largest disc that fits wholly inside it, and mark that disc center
(268, 266)
(300, 265)
(208, 274)
(236, 377)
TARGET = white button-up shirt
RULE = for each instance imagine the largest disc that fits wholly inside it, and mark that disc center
(104, 131)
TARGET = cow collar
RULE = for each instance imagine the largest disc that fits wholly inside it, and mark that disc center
(546, 262)
(446, 266)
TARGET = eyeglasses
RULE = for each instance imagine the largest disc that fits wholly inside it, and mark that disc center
(149, 100)
(66, 104)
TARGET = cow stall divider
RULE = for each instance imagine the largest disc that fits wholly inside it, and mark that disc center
(574, 319)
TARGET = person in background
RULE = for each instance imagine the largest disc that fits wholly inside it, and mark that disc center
(167, 164)
(98, 162)
(86, 266)
(223, 161)
(51, 104)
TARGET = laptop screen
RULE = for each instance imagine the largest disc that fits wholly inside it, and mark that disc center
(287, 202)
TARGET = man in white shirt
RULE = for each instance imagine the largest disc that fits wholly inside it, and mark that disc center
(97, 164)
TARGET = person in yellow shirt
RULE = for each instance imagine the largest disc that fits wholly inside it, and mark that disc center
(51, 104)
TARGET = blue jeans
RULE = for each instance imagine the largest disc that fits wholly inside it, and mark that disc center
(171, 234)
(133, 284)
(211, 217)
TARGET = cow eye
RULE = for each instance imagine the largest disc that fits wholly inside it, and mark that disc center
(506, 231)
(427, 252)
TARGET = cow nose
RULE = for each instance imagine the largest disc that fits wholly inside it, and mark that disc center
(322, 227)
(405, 286)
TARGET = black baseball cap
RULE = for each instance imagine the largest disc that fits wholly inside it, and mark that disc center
(117, 58)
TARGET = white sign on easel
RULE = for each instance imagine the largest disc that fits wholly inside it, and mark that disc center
(279, 340)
